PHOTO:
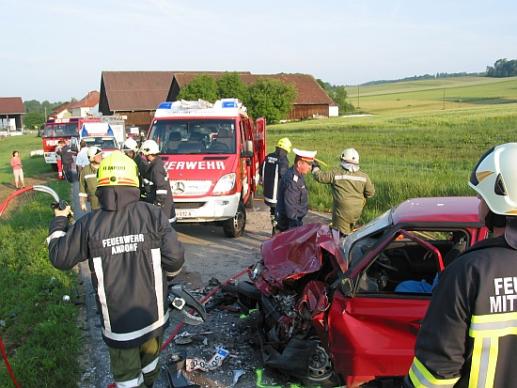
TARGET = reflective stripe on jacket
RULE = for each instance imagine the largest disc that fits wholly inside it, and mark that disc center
(88, 185)
(160, 193)
(349, 192)
(469, 335)
(128, 249)
(273, 169)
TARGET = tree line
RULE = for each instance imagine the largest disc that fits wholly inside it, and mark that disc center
(502, 68)
(35, 112)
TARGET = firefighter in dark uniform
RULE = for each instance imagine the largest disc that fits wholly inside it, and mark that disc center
(131, 250)
(273, 169)
(156, 180)
(67, 161)
(88, 180)
(293, 202)
(469, 334)
(130, 148)
(350, 189)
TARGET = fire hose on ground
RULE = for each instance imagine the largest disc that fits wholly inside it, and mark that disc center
(61, 204)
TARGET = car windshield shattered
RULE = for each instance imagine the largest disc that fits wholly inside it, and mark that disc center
(194, 136)
(353, 252)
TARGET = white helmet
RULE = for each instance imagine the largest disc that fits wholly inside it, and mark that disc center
(92, 152)
(350, 155)
(150, 147)
(495, 179)
(130, 145)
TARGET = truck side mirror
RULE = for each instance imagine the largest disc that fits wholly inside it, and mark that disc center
(248, 149)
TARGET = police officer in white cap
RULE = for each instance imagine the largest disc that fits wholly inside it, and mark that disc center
(293, 203)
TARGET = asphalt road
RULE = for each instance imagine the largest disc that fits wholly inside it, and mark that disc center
(209, 254)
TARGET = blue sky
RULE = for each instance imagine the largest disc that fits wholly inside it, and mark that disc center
(57, 49)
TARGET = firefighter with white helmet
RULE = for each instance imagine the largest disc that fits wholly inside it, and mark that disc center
(131, 149)
(469, 334)
(350, 189)
(156, 180)
(131, 250)
(88, 180)
(274, 167)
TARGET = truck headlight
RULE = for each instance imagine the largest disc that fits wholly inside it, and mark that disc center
(225, 184)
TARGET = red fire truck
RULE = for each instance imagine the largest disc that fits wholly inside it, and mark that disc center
(61, 129)
(212, 153)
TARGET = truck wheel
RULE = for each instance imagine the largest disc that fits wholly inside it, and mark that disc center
(234, 227)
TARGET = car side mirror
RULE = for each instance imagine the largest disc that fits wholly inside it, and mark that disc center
(346, 286)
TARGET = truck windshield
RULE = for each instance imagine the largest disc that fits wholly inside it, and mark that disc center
(101, 142)
(194, 136)
(58, 130)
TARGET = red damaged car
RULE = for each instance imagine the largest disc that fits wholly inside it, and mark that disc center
(348, 312)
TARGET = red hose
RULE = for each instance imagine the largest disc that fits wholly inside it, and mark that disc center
(9, 369)
(10, 197)
(203, 300)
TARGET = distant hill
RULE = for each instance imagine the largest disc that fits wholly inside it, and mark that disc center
(425, 77)
(434, 94)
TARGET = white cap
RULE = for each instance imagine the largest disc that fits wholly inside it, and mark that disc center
(307, 156)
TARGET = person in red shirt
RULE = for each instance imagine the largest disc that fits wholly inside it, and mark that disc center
(16, 164)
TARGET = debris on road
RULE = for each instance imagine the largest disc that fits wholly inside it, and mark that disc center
(215, 362)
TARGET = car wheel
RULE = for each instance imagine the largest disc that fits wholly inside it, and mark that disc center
(320, 368)
(234, 227)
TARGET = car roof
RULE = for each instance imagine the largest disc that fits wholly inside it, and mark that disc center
(442, 210)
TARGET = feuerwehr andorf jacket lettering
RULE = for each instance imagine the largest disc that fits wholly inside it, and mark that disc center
(128, 255)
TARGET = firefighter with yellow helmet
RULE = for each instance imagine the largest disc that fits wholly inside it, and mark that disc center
(273, 169)
(131, 250)
(469, 335)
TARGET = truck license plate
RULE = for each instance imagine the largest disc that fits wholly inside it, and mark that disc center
(183, 213)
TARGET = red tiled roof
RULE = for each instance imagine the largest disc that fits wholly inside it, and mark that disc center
(136, 90)
(11, 105)
(89, 101)
(60, 108)
(144, 90)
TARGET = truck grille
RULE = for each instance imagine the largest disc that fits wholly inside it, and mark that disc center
(188, 205)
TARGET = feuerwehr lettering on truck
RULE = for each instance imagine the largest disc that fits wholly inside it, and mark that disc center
(195, 165)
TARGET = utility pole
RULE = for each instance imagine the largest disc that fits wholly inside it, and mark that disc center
(45, 114)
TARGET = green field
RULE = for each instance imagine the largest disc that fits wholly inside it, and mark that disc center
(40, 331)
(411, 152)
(432, 95)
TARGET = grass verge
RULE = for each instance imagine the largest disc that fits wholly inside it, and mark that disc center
(39, 330)
(406, 155)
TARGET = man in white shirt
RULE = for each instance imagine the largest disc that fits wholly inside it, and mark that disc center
(82, 160)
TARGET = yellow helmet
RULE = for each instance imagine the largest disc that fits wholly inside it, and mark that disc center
(285, 144)
(117, 169)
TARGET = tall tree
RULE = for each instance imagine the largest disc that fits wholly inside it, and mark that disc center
(339, 95)
(270, 98)
(502, 68)
(202, 87)
(231, 86)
